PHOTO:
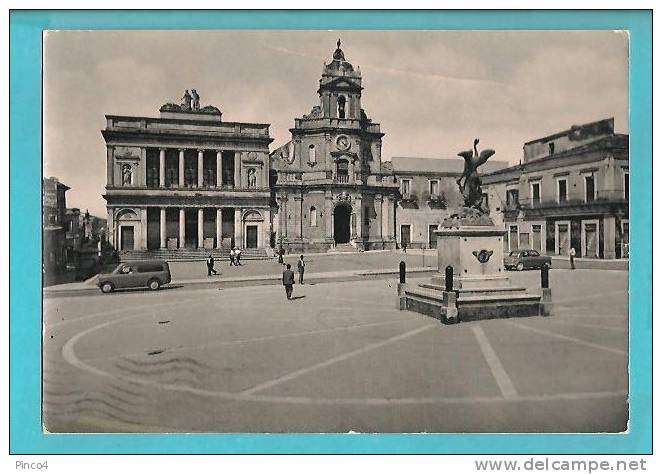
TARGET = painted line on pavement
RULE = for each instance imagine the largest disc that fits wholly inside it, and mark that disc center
(333, 360)
(500, 376)
(569, 339)
(585, 325)
(249, 340)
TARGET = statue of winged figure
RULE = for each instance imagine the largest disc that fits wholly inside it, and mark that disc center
(469, 183)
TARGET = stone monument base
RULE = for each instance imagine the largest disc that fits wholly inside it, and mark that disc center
(472, 246)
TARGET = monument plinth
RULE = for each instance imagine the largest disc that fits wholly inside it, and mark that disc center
(471, 245)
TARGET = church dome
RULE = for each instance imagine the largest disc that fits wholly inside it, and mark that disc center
(339, 62)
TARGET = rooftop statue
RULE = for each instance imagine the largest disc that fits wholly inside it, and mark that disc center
(471, 187)
(196, 100)
(186, 101)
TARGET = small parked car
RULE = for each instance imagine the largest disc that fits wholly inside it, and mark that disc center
(145, 273)
(526, 258)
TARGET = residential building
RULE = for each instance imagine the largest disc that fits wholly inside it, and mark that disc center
(428, 194)
(571, 190)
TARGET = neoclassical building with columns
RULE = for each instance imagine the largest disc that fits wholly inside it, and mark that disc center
(187, 179)
(332, 189)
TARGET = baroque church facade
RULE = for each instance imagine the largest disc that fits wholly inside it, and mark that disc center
(331, 188)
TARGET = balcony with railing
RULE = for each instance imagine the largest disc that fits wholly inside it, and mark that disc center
(577, 200)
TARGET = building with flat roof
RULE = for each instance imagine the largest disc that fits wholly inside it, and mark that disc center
(428, 194)
(570, 191)
(186, 180)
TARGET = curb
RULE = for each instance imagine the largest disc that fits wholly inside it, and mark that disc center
(259, 278)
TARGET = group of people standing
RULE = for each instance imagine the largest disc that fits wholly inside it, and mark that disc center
(235, 260)
(288, 275)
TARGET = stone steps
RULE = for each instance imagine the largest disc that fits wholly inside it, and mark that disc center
(478, 291)
(190, 254)
(496, 303)
(344, 248)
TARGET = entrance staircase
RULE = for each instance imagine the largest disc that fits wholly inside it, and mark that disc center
(190, 254)
(344, 248)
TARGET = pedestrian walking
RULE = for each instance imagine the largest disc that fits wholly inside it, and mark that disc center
(281, 252)
(237, 256)
(288, 280)
(210, 266)
(301, 266)
(232, 257)
(572, 258)
(404, 247)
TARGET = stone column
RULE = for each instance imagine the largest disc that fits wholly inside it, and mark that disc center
(162, 227)
(142, 169)
(182, 228)
(219, 168)
(350, 170)
(385, 217)
(181, 168)
(162, 156)
(358, 216)
(328, 216)
(143, 228)
(110, 169)
(110, 227)
(609, 237)
(201, 228)
(298, 216)
(265, 172)
(237, 227)
(201, 167)
(219, 227)
(237, 169)
(378, 211)
(282, 218)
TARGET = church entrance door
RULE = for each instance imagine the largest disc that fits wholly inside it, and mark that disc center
(341, 223)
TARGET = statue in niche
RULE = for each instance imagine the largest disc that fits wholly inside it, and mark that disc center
(471, 187)
(186, 101)
(196, 99)
(251, 178)
(126, 175)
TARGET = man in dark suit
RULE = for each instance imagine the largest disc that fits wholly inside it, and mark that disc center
(210, 265)
(301, 266)
(288, 280)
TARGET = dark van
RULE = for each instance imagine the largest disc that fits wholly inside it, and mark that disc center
(151, 274)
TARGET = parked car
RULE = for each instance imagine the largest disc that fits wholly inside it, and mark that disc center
(145, 273)
(526, 258)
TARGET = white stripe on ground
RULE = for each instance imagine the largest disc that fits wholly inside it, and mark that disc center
(199, 347)
(585, 325)
(69, 355)
(333, 360)
(503, 381)
(570, 339)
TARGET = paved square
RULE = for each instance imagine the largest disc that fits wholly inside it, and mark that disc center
(339, 358)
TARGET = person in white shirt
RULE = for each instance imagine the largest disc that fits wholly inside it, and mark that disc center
(572, 258)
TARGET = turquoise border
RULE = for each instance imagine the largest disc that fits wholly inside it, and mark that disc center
(25, 230)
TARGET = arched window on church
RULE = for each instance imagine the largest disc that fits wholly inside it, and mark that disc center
(311, 155)
(341, 107)
(313, 216)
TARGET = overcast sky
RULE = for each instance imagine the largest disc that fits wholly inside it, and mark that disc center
(432, 92)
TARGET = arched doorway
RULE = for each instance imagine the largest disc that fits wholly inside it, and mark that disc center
(341, 223)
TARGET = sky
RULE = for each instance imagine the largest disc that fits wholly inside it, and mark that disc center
(432, 92)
